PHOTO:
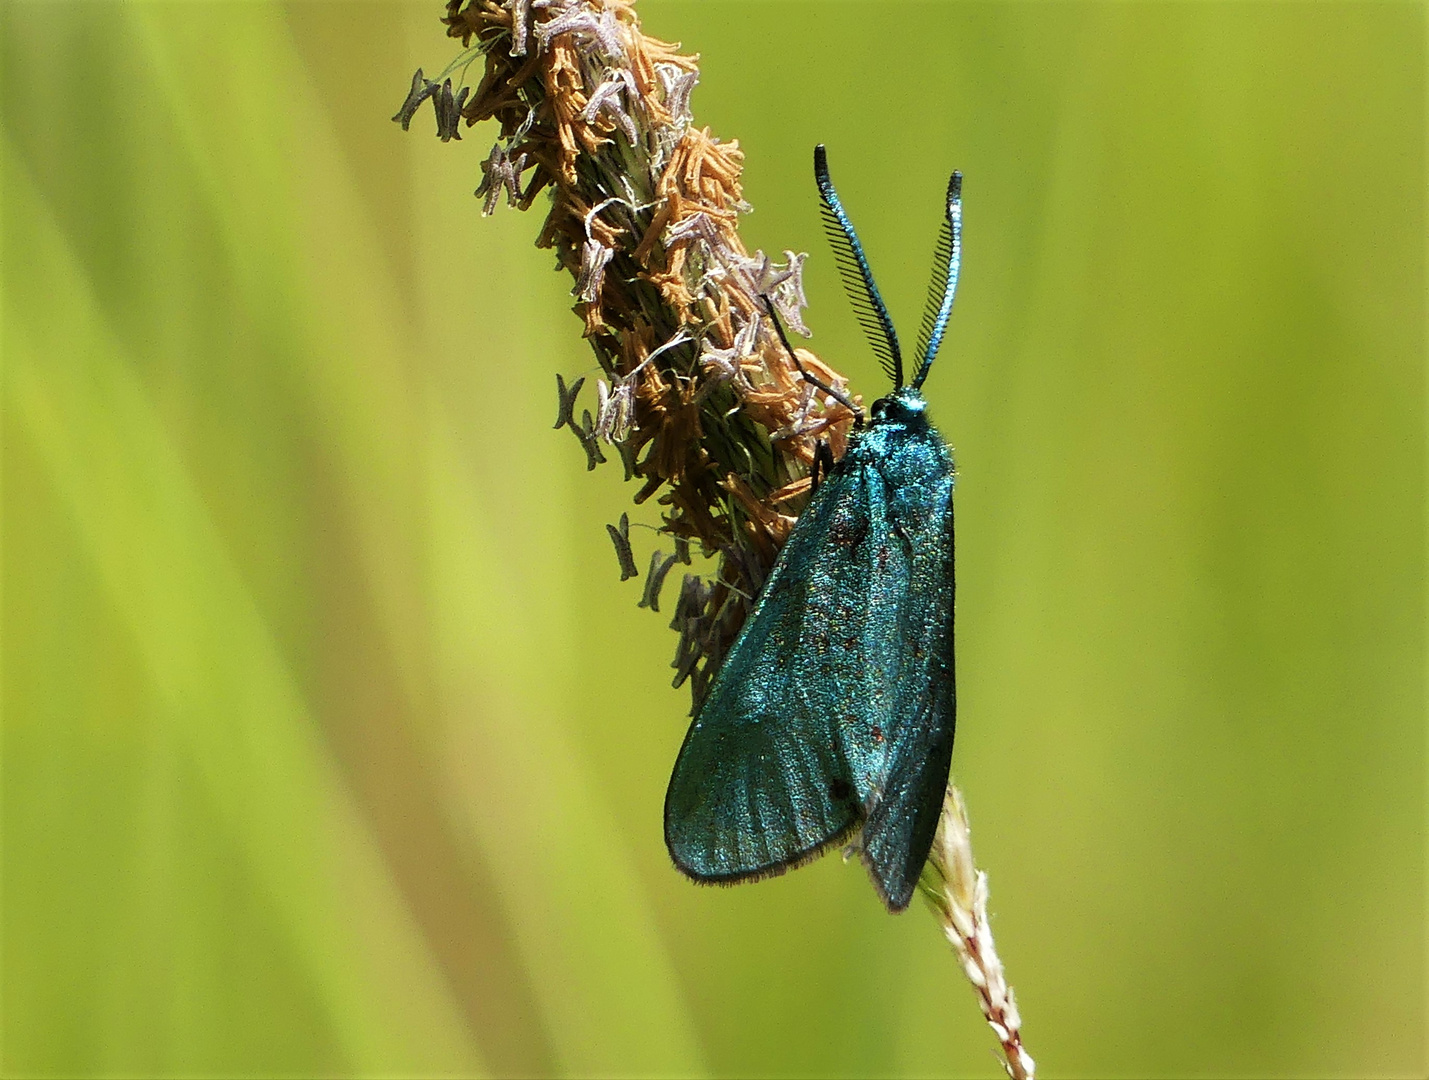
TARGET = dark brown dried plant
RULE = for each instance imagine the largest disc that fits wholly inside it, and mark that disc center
(703, 405)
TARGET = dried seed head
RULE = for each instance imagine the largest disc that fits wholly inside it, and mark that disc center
(705, 406)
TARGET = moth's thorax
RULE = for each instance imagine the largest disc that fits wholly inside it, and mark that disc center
(901, 441)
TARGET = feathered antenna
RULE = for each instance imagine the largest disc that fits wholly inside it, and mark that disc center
(857, 275)
(947, 257)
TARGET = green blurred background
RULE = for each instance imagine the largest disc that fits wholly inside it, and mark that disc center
(332, 743)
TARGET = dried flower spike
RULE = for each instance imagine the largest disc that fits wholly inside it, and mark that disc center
(706, 407)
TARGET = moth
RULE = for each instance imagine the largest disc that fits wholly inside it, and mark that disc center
(833, 713)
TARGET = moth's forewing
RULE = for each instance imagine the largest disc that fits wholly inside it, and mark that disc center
(787, 751)
(852, 616)
(899, 831)
(836, 702)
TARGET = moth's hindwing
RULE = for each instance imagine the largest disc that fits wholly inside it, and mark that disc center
(835, 704)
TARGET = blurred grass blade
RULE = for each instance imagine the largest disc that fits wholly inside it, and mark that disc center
(227, 697)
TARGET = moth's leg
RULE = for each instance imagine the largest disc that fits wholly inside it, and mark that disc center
(838, 395)
(823, 463)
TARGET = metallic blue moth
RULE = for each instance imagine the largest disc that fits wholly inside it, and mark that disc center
(834, 709)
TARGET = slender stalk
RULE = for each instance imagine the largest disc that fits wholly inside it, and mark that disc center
(957, 891)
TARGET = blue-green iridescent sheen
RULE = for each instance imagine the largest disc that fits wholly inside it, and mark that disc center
(836, 705)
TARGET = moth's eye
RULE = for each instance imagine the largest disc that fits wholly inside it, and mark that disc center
(839, 789)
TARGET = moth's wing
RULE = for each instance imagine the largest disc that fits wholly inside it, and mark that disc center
(776, 766)
(923, 699)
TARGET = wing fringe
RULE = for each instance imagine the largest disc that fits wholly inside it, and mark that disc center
(803, 858)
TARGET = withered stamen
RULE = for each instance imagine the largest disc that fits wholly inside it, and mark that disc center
(565, 410)
(620, 537)
(660, 564)
(422, 88)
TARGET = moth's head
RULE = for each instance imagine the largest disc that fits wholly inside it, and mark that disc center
(904, 406)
